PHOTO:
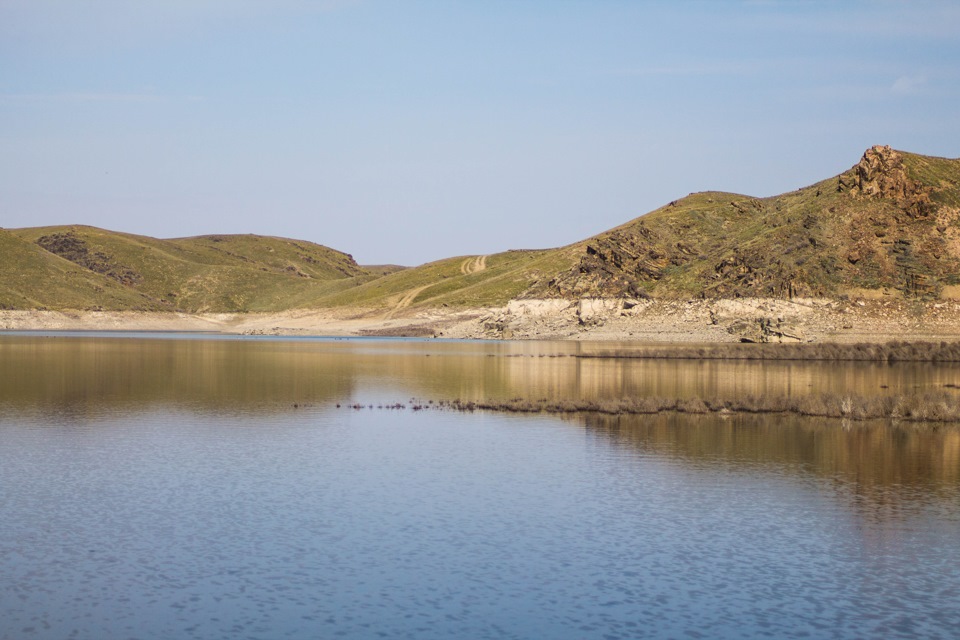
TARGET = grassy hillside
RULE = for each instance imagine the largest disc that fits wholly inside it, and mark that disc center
(890, 224)
(465, 281)
(210, 273)
(32, 278)
(276, 255)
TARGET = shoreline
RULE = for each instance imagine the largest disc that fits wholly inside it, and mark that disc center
(701, 322)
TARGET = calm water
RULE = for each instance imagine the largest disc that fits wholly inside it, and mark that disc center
(208, 488)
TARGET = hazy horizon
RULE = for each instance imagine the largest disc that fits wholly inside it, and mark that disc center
(407, 132)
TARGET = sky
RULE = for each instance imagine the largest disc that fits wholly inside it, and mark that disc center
(407, 131)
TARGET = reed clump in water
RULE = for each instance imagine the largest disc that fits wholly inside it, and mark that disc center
(926, 407)
(896, 351)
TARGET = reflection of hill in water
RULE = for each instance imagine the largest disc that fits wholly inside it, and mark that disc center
(623, 378)
(870, 455)
(265, 375)
(194, 375)
(93, 376)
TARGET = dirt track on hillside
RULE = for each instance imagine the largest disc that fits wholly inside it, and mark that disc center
(473, 265)
(405, 301)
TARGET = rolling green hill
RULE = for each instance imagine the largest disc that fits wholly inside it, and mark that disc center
(33, 278)
(208, 273)
(888, 226)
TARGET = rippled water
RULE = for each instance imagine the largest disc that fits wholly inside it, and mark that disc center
(160, 488)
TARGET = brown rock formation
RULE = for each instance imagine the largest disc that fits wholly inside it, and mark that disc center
(881, 174)
(69, 247)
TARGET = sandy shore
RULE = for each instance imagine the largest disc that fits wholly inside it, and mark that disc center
(703, 321)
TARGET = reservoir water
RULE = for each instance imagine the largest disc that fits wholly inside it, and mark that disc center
(174, 486)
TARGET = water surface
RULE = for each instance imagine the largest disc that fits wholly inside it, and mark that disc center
(194, 488)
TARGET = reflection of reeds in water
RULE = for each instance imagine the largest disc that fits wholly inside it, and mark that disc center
(266, 376)
(869, 453)
(896, 351)
(925, 407)
(599, 378)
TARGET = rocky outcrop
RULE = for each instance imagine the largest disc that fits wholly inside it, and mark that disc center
(882, 174)
(616, 264)
(595, 311)
(526, 318)
(621, 265)
(766, 329)
(70, 247)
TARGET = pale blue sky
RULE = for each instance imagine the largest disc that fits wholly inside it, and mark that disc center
(409, 131)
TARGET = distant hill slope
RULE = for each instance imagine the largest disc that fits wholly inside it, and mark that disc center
(277, 255)
(889, 225)
(465, 281)
(207, 273)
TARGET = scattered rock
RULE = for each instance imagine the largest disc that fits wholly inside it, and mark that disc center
(765, 329)
(595, 311)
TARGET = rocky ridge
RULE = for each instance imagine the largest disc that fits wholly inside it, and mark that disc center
(879, 226)
(882, 174)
